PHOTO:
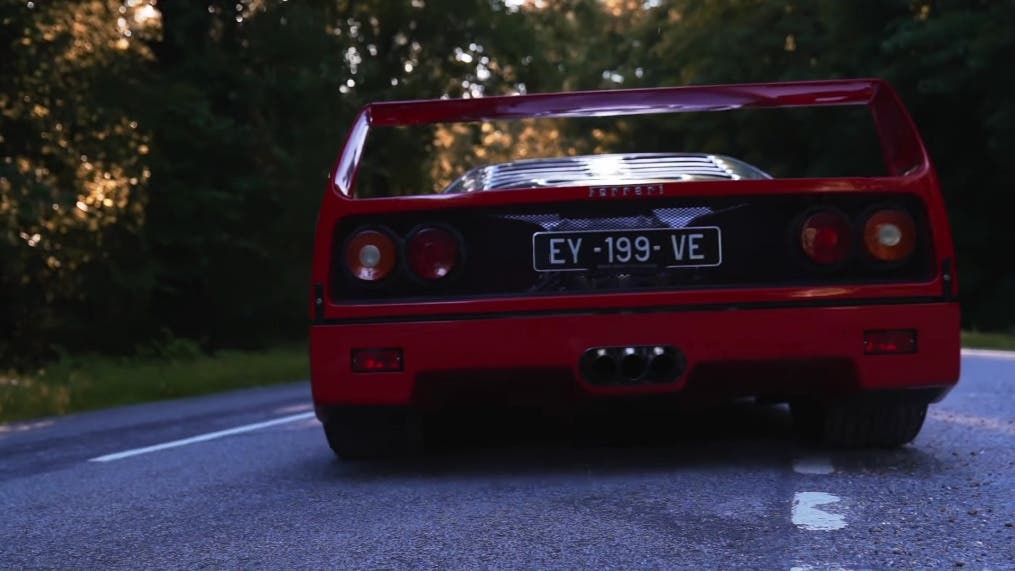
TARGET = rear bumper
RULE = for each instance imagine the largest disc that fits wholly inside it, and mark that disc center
(807, 350)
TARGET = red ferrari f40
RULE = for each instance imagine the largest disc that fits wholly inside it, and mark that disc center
(670, 273)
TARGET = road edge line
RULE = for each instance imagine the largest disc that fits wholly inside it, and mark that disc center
(990, 353)
(201, 437)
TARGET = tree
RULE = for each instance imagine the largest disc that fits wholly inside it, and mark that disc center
(72, 174)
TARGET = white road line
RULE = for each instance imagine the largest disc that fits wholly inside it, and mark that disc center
(973, 421)
(813, 465)
(806, 515)
(989, 353)
(202, 437)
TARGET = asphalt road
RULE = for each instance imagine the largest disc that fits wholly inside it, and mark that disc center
(729, 488)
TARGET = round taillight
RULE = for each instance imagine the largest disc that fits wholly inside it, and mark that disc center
(890, 235)
(825, 237)
(432, 253)
(371, 255)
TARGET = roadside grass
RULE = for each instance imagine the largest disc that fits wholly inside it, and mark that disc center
(75, 384)
(981, 340)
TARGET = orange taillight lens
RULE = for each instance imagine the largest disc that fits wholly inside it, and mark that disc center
(371, 255)
(890, 235)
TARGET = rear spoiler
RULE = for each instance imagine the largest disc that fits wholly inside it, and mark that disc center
(904, 152)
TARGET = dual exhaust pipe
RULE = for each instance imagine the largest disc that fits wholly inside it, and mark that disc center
(632, 365)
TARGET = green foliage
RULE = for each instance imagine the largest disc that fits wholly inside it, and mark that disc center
(168, 348)
(983, 340)
(71, 173)
(161, 164)
(85, 383)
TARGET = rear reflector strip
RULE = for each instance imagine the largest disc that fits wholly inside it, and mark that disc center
(889, 341)
(376, 360)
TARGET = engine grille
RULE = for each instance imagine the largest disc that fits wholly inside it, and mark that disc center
(605, 169)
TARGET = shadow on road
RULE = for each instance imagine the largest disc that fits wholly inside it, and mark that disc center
(492, 441)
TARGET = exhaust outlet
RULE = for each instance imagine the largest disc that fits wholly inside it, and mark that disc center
(604, 367)
(632, 365)
(663, 364)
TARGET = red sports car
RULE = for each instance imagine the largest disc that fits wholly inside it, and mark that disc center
(652, 274)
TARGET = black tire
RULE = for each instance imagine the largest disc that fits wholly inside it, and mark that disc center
(370, 433)
(859, 423)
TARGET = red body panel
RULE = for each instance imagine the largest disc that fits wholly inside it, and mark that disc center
(479, 347)
(732, 325)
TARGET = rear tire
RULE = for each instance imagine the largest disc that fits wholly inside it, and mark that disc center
(859, 423)
(362, 434)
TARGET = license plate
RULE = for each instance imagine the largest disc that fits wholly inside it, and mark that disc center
(605, 249)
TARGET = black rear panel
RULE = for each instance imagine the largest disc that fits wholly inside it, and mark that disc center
(760, 247)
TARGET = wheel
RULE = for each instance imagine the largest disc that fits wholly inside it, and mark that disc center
(360, 434)
(859, 423)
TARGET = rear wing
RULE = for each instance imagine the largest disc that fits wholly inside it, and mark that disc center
(903, 151)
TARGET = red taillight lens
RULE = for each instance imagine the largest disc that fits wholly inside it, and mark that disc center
(376, 360)
(888, 341)
(825, 237)
(371, 255)
(890, 235)
(432, 253)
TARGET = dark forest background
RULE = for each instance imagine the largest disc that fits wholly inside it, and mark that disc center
(161, 163)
